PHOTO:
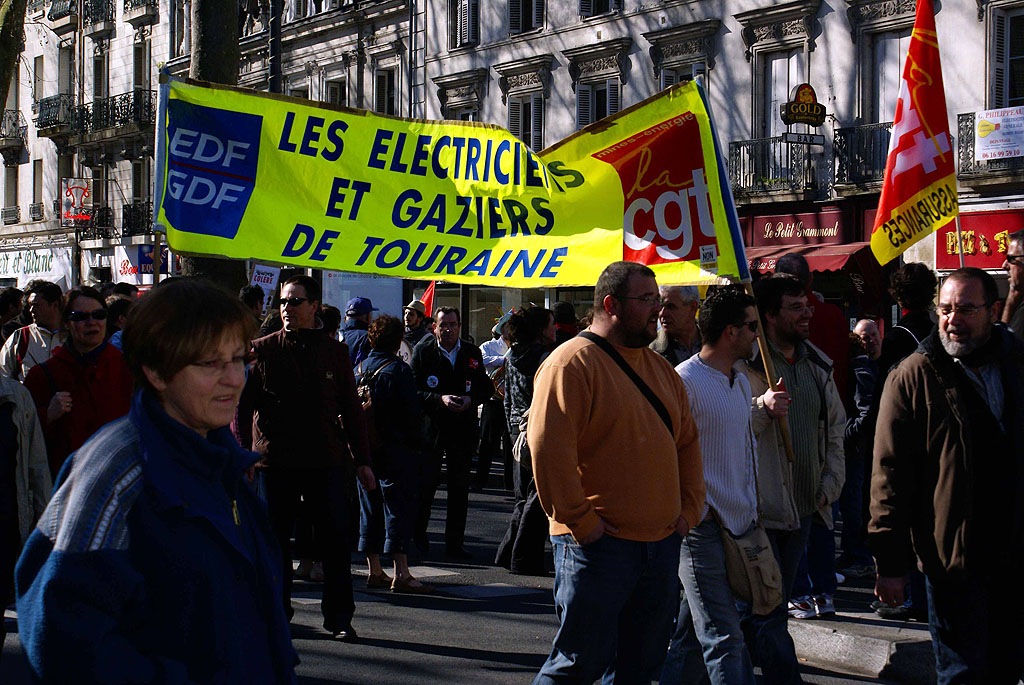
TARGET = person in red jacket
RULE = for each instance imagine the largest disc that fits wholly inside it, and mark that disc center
(85, 384)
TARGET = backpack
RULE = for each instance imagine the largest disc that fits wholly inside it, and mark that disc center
(364, 389)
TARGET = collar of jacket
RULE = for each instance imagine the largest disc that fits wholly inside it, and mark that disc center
(998, 349)
(355, 325)
(803, 349)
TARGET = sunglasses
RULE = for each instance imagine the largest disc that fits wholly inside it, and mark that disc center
(1017, 259)
(79, 317)
(293, 301)
(750, 325)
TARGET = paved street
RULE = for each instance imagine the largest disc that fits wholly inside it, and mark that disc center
(483, 626)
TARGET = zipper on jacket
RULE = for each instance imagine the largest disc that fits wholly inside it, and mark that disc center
(234, 512)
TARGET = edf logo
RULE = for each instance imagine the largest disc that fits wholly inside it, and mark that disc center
(212, 157)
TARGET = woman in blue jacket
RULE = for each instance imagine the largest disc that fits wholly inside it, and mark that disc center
(154, 561)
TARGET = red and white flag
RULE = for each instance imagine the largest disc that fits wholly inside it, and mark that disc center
(919, 190)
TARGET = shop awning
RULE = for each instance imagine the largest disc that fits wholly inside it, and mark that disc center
(819, 257)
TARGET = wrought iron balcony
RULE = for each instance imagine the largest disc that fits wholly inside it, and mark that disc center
(35, 211)
(13, 130)
(11, 215)
(54, 111)
(137, 218)
(61, 9)
(137, 107)
(989, 172)
(139, 12)
(98, 17)
(767, 165)
(860, 153)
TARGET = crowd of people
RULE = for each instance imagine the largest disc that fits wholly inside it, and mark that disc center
(687, 457)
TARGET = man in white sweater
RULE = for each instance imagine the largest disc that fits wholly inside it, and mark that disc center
(708, 642)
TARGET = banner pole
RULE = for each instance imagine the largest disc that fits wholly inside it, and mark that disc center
(959, 240)
(769, 371)
(156, 258)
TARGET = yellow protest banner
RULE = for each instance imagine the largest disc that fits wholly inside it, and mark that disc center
(283, 180)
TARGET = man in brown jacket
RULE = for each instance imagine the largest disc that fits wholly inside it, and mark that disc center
(310, 429)
(949, 475)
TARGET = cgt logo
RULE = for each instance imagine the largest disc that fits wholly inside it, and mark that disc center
(667, 213)
(212, 157)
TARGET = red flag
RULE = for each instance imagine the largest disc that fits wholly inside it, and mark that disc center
(919, 190)
(428, 299)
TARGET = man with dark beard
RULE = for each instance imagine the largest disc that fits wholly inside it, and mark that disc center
(617, 467)
(949, 477)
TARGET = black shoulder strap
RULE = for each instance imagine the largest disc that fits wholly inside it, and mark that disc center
(633, 376)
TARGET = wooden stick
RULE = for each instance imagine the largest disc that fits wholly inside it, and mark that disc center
(769, 370)
(156, 259)
(959, 241)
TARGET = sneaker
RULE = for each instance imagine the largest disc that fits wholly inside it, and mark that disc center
(840, 578)
(824, 606)
(859, 571)
(316, 574)
(803, 607)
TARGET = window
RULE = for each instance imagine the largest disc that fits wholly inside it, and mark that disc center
(11, 186)
(385, 99)
(15, 86)
(888, 52)
(337, 94)
(782, 72)
(99, 187)
(99, 77)
(37, 181)
(463, 22)
(299, 93)
(526, 119)
(140, 63)
(140, 181)
(38, 92)
(64, 71)
(590, 8)
(1008, 58)
(525, 15)
(464, 114)
(595, 101)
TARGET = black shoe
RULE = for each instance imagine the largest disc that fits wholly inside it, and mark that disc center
(457, 553)
(346, 634)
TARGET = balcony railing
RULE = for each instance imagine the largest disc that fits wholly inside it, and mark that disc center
(54, 111)
(131, 5)
(11, 215)
(62, 8)
(971, 169)
(766, 165)
(13, 124)
(137, 107)
(97, 11)
(35, 211)
(861, 152)
(137, 218)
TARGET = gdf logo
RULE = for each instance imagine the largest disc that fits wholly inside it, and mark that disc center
(212, 158)
(667, 213)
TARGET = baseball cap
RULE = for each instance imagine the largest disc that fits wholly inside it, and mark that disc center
(358, 306)
(417, 306)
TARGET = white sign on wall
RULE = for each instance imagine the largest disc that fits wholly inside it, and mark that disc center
(384, 291)
(999, 134)
(49, 264)
(266, 277)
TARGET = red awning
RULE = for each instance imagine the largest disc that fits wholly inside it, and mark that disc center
(819, 257)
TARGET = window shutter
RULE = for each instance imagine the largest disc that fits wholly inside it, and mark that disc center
(515, 117)
(538, 13)
(615, 5)
(999, 61)
(538, 123)
(474, 21)
(668, 78)
(380, 100)
(453, 23)
(586, 8)
(613, 96)
(515, 16)
(584, 109)
(463, 21)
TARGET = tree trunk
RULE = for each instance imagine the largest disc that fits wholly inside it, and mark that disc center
(215, 58)
(12, 42)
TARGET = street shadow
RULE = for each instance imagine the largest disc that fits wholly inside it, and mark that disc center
(526, 661)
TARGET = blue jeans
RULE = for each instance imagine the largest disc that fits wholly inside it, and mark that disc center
(386, 516)
(816, 574)
(708, 644)
(976, 630)
(614, 599)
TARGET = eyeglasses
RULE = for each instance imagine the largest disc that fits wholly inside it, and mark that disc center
(448, 326)
(293, 301)
(214, 367)
(1015, 259)
(750, 325)
(948, 310)
(96, 315)
(650, 300)
(799, 308)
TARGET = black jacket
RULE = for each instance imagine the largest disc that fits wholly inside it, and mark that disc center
(397, 414)
(435, 377)
(520, 368)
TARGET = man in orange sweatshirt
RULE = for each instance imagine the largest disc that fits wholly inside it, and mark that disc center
(621, 481)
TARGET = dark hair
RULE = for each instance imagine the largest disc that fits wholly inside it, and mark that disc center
(723, 307)
(614, 281)
(988, 284)
(9, 297)
(385, 334)
(117, 306)
(564, 313)
(252, 296)
(308, 284)
(441, 311)
(330, 317)
(123, 288)
(794, 264)
(81, 291)
(50, 292)
(913, 286)
(1016, 237)
(770, 290)
(526, 324)
(166, 331)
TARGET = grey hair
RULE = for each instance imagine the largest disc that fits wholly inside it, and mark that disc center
(686, 293)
